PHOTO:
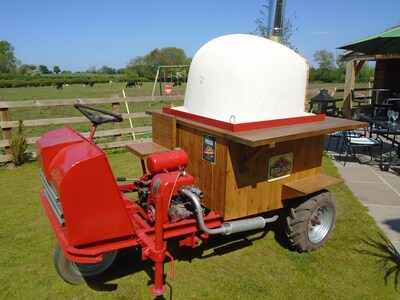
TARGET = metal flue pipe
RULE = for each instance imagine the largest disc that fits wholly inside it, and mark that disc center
(275, 20)
(227, 227)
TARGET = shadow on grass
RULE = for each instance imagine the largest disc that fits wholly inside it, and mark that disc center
(127, 263)
(387, 256)
(129, 260)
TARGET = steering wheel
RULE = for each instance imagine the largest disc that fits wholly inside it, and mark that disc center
(97, 119)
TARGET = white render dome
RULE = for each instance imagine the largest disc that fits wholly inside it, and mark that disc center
(242, 78)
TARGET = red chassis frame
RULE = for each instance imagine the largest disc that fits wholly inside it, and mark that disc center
(96, 215)
(150, 238)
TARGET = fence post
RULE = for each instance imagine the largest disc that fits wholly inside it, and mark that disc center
(116, 110)
(7, 132)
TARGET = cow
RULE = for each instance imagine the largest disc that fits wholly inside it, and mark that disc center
(60, 86)
(90, 83)
(131, 83)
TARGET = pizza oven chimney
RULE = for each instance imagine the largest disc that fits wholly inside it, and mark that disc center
(275, 20)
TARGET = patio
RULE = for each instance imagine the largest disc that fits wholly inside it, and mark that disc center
(378, 191)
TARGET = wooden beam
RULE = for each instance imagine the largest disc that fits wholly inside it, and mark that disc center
(60, 121)
(99, 133)
(61, 102)
(348, 86)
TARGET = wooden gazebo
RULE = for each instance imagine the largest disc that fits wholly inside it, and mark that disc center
(384, 49)
(387, 75)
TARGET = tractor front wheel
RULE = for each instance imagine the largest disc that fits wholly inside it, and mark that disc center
(311, 222)
(76, 273)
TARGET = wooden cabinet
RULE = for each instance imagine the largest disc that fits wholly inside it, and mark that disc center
(256, 171)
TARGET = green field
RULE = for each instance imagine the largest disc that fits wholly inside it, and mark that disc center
(79, 91)
(356, 263)
(101, 90)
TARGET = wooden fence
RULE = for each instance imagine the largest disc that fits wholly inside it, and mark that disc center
(6, 124)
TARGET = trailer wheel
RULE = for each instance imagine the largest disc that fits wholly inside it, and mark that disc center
(76, 273)
(311, 222)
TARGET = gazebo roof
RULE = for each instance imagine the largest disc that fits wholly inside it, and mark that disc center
(387, 42)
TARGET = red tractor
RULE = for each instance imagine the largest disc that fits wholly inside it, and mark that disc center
(93, 217)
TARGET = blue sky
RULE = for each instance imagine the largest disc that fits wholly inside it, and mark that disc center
(76, 35)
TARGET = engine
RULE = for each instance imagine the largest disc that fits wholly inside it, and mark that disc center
(167, 178)
(181, 208)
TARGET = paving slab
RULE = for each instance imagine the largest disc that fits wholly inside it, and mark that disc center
(377, 190)
(388, 219)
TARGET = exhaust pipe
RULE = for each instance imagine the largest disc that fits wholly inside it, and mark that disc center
(227, 227)
(275, 20)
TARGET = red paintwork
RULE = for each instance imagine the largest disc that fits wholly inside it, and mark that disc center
(243, 126)
(52, 142)
(170, 184)
(93, 253)
(168, 160)
(90, 198)
(99, 217)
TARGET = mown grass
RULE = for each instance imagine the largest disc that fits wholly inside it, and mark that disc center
(255, 265)
(356, 263)
(77, 91)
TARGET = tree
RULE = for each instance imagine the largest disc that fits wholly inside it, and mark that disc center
(44, 69)
(56, 69)
(366, 73)
(24, 69)
(324, 59)
(288, 27)
(329, 69)
(137, 67)
(326, 66)
(106, 70)
(92, 70)
(145, 66)
(8, 62)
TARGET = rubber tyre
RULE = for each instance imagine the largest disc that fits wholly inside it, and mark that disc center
(310, 224)
(75, 273)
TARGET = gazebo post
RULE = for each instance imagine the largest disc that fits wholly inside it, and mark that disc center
(353, 67)
(348, 86)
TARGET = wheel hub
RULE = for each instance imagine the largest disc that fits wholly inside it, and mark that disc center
(320, 224)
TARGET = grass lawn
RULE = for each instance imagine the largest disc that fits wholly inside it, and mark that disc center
(354, 264)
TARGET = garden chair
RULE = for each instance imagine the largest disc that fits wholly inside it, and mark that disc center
(359, 98)
(339, 135)
(362, 142)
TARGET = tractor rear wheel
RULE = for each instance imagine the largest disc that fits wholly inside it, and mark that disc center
(311, 222)
(76, 273)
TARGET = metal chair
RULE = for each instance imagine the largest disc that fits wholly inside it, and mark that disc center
(393, 102)
(365, 143)
(339, 135)
(390, 134)
(359, 98)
